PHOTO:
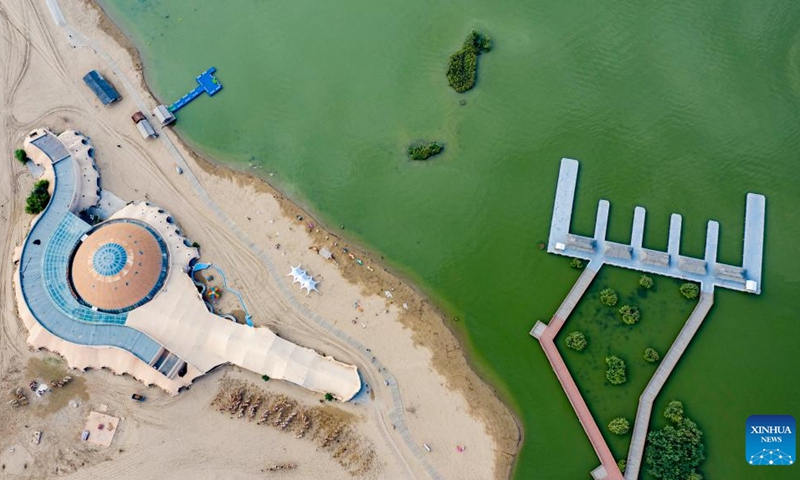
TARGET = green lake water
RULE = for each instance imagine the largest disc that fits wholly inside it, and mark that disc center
(678, 106)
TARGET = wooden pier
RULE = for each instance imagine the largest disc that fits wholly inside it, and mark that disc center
(598, 251)
(546, 335)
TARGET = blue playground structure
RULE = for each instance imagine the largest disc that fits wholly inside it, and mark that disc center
(203, 266)
(208, 84)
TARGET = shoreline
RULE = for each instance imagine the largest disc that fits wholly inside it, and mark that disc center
(498, 414)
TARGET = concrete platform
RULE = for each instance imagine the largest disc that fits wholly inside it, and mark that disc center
(538, 329)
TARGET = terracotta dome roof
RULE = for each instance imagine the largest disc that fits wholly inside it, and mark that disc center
(121, 264)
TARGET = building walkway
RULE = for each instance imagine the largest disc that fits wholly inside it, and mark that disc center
(640, 426)
(608, 465)
(43, 266)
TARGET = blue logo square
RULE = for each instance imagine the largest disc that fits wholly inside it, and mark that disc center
(771, 440)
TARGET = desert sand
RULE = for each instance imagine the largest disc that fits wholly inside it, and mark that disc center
(434, 397)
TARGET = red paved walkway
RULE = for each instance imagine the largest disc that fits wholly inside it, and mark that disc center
(565, 377)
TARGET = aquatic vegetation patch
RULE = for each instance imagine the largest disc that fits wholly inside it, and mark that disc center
(619, 426)
(424, 151)
(690, 290)
(462, 71)
(608, 297)
(651, 355)
(630, 314)
(675, 451)
(616, 373)
(576, 341)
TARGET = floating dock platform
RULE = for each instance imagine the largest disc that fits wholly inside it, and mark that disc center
(706, 270)
(208, 83)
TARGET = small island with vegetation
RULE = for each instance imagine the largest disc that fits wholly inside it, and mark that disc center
(463, 68)
(424, 150)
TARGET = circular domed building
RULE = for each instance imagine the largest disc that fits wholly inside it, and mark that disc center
(120, 295)
(118, 266)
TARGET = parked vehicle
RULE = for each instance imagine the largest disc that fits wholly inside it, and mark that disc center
(138, 398)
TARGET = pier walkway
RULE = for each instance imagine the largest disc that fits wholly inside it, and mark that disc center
(653, 388)
(706, 271)
(208, 83)
(546, 334)
(599, 251)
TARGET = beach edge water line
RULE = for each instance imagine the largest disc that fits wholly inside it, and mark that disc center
(497, 409)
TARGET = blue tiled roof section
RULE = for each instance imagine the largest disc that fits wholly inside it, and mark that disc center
(53, 147)
(100, 86)
(109, 259)
(43, 273)
(54, 267)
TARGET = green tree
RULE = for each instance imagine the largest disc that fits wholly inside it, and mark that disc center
(619, 426)
(20, 155)
(674, 412)
(265, 378)
(608, 297)
(329, 397)
(646, 282)
(462, 69)
(630, 314)
(576, 263)
(675, 451)
(622, 464)
(690, 290)
(616, 371)
(38, 199)
(576, 341)
(651, 355)
(425, 150)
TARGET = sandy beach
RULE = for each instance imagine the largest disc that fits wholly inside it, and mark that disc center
(442, 401)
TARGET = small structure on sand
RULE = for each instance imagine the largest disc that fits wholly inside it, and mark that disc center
(105, 92)
(101, 428)
(163, 115)
(305, 280)
(144, 126)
